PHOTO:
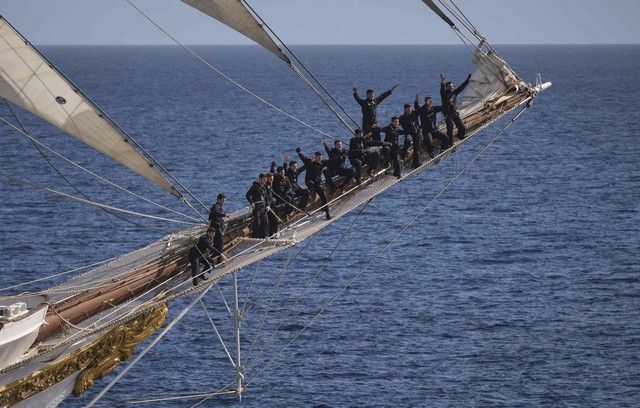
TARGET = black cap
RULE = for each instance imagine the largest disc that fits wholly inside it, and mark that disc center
(221, 196)
(318, 153)
(262, 175)
(279, 169)
(369, 90)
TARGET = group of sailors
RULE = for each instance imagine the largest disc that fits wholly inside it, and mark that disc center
(277, 193)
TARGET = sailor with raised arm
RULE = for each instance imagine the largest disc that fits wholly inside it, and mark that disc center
(451, 116)
(292, 171)
(257, 197)
(216, 221)
(313, 176)
(369, 106)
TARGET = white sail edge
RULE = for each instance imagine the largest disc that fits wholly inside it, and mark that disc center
(28, 80)
(235, 15)
(492, 81)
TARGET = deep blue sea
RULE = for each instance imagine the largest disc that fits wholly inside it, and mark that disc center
(519, 287)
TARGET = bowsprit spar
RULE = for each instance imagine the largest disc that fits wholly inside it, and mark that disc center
(59, 341)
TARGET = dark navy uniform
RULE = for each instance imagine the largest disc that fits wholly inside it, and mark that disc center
(199, 257)
(300, 192)
(335, 166)
(257, 196)
(359, 156)
(369, 109)
(217, 222)
(429, 128)
(451, 115)
(313, 178)
(392, 135)
(411, 130)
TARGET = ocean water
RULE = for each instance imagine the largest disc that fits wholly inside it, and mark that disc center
(519, 287)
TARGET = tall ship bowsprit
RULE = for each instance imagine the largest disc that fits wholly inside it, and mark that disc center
(62, 340)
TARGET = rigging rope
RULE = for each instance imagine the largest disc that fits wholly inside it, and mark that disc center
(107, 117)
(276, 289)
(246, 3)
(38, 144)
(149, 347)
(215, 330)
(89, 202)
(54, 276)
(225, 76)
(307, 286)
(381, 251)
(50, 163)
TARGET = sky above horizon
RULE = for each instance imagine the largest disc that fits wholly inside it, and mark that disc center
(98, 22)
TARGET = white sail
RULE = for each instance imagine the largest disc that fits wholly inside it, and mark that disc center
(492, 80)
(30, 81)
(235, 15)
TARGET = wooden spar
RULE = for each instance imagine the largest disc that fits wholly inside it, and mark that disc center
(91, 302)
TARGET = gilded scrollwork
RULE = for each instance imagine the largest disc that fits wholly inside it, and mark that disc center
(94, 360)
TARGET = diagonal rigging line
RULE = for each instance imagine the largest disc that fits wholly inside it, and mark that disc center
(253, 279)
(382, 250)
(246, 3)
(276, 290)
(225, 76)
(149, 347)
(38, 145)
(103, 114)
(311, 280)
(251, 304)
(89, 202)
(66, 179)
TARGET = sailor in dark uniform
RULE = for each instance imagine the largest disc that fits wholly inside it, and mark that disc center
(335, 165)
(282, 192)
(451, 116)
(200, 256)
(411, 129)
(359, 155)
(428, 114)
(313, 177)
(257, 197)
(216, 221)
(392, 144)
(293, 172)
(369, 106)
(271, 205)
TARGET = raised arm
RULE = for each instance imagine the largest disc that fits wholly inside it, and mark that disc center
(327, 148)
(385, 94)
(416, 104)
(356, 97)
(302, 157)
(462, 85)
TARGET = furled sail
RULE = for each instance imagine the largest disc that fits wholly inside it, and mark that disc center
(235, 15)
(492, 81)
(30, 81)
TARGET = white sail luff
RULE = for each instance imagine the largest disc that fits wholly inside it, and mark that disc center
(27, 80)
(235, 15)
